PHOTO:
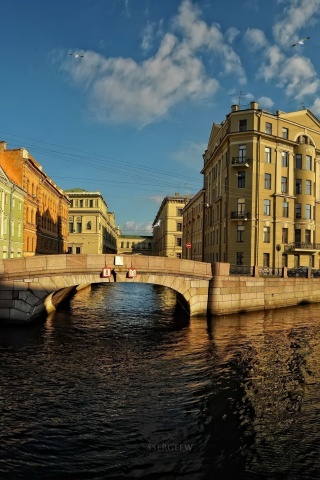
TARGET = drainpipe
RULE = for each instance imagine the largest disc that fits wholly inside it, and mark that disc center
(257, 194)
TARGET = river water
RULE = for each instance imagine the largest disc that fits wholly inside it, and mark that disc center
(120, 384)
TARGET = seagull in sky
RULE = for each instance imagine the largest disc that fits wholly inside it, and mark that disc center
(301, 41)
(76, 55)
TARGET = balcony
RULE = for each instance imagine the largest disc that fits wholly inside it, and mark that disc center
(239, 215)
(302, 247)
(240, 162)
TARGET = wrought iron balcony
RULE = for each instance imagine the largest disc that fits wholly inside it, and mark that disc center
(240, 162)
(239, 215)
(300, 246)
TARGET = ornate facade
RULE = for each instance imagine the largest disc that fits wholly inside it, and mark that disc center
(262, 183)
(45, 224)
(91, 227)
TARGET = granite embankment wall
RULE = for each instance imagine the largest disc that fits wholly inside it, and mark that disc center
(232, 293)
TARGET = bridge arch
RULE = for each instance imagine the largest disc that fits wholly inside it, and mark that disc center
(35, 285)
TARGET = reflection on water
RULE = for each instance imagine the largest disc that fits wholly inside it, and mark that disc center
(121, 384)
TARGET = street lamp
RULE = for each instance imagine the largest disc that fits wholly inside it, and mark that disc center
(278, 248)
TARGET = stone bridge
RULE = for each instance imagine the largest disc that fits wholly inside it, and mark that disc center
(32, 286)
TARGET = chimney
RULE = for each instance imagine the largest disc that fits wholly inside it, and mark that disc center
(234, 108)
(3, 146)
(254, 105)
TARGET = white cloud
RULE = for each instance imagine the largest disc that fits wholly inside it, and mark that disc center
(255, 39)
(148, 36)
(191, 155)
(315, 108)
(200, 35)
(156, 198)
(295, 17)
(231, 34)
(265, 102)
(132, 227)
(121, 90)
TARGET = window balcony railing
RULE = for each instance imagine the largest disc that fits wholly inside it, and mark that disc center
(303, 246)
(243, 161)
(239, 215)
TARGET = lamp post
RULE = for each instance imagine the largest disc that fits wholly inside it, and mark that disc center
(278, 248)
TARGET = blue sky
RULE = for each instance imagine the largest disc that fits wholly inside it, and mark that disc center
(132, 118)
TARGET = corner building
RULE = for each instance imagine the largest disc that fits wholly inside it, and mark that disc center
(261, 177)
(45, 208)
(91, 226)
(167, 226)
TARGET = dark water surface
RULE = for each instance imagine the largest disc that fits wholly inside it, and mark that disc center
(121, 385)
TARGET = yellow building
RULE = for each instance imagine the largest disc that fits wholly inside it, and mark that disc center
(261, 176)
(167, 226)
(134, 244)
(45, 226)
(192, 231)
(11, 218)
(91, 227)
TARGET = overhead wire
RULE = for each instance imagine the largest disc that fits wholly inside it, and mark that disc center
(117, 166)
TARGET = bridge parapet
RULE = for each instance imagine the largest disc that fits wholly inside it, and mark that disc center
(31, 285)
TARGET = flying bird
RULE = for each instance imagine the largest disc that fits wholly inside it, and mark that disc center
(76, 55)
(301, 41)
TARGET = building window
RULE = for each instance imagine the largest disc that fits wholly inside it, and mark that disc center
(285, 132)
(308, 212)
(285, 209)
(267, 207)
(266, 260)
(80, 203)
(297, 210)
(285, 159)
(296, 261)
(298, 185)
(308, 162)
(179, 212)
(69, 250)
(239, 258)
(308, 187)
(242, 125)
(179, 242)
(242, 152)
(79, 227)
(284, 235)
(240, 233)
(284, 184)
(70, 227)
(241, 179)
(179, 227)
(297, 235)
(298, 160)
(266, 234)
(88, 225)
(267, 181)
(307, 236)
(179, 255)
(78, 249)
(267, 154)
(90, 203)
(269, 128)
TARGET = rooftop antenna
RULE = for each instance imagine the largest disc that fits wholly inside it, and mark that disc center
(240, 96)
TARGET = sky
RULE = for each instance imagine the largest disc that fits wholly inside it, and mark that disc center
(131, 118)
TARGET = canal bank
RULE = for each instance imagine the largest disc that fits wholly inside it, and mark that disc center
(242, 293)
